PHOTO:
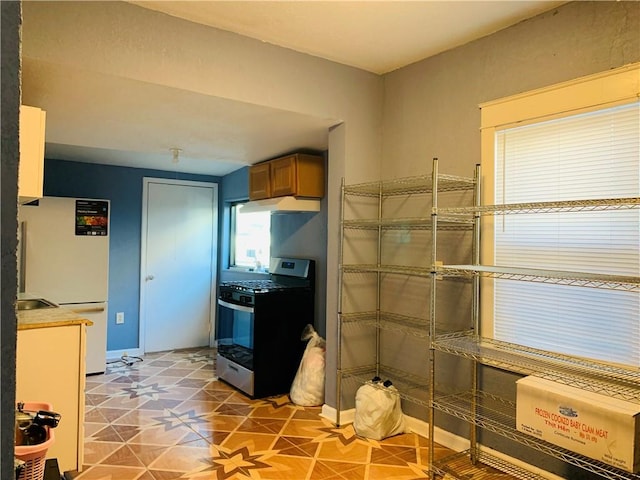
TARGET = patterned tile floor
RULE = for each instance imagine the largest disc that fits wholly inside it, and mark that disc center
(165, 418)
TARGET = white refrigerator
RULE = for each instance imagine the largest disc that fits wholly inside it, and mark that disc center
(64, 257)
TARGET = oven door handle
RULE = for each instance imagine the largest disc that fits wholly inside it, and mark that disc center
(233, 306)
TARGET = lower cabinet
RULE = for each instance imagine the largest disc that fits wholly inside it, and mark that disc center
(50, 368)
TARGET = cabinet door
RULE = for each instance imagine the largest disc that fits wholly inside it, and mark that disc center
(310, 176)
(50, 369)
(283, 176)
(259, 182)
(31, 167)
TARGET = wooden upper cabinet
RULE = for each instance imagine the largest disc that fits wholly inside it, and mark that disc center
(31, 166)
(284, 176)
(259, 182)
(298, 175)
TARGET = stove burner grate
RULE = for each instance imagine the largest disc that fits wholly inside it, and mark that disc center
(258, 285)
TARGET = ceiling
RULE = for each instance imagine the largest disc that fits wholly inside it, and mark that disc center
(126, 124)
(377, 36)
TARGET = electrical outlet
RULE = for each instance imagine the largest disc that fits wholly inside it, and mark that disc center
(120, 317)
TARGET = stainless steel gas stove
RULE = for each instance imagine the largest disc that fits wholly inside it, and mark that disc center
(259, 326)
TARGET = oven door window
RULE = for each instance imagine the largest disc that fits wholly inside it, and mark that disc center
(235, 334)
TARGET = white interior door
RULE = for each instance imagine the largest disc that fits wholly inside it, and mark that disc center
(179, 232)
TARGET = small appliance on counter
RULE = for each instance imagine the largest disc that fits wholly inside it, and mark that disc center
(259, 326)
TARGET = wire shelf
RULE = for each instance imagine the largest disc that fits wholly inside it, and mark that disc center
(410, 185)
(490, 412)
(416, 327)
(410, 387)
(453, 219)
(545, 207)
(394, 269)
(555, 277)
(611, 380)
(497, 415)
(416, 223)
(459, 466)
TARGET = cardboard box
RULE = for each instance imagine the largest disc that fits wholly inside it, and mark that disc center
(599, 427)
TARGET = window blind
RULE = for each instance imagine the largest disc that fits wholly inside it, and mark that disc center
(594, 155)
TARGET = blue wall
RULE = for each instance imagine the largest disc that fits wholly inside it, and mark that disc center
(234, 188)
(123, 186)
(296, 235)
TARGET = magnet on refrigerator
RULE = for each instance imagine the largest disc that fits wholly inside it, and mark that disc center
(64, 257)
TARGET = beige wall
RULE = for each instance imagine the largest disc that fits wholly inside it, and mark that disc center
(431, 107)
(124, 40)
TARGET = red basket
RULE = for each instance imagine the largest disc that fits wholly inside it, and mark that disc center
(34, 456)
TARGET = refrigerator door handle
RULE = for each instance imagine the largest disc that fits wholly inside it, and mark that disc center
(88, 310)
(22, 281)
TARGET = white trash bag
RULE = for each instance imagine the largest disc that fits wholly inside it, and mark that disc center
(378, 411)
(307, 388)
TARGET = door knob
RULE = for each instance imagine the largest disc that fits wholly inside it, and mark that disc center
(149, 277)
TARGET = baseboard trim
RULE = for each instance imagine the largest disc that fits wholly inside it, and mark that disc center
(521, 464)
(441, 436)
(330, 413)
(115, 355)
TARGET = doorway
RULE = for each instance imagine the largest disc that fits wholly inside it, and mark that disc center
(178, 264)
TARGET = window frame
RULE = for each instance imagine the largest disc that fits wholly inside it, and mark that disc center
(594, 92)
(233, 214)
